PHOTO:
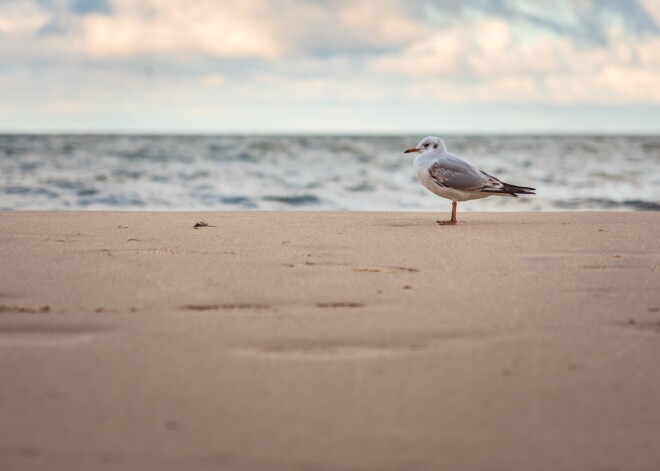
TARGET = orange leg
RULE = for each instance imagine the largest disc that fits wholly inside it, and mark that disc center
(453, 220)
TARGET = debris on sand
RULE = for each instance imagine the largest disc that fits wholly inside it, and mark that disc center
(30, 310)
(202, 224)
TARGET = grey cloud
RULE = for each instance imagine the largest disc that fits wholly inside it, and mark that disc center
(582, 21)
(76, 6)
(62, 11)
(313, 28)
(633, 15)
(590, 18)
(90, 6)
(53, 28)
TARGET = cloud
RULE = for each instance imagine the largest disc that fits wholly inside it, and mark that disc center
(213, 80)
(488, 59)
(585, 20)
(21, 19)
(90, 6)
(253, 28)
(328, 54)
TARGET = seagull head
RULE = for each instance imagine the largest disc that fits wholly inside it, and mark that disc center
(428, 144)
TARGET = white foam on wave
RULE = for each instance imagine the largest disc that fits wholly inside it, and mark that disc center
(315, 173)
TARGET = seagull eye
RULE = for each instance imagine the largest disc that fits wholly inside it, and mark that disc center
(426, 145)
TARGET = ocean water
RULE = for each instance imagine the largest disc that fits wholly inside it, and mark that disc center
(122, 172)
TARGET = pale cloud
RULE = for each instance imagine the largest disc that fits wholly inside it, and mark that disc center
(653, 7)
(514, 90)
(21, 19)
(144, 27)
(481, 60)
(251, 28)
(213, 80)
(382, 23)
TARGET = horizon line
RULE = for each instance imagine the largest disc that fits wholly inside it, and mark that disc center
(293, 132)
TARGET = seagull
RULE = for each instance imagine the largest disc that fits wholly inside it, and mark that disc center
(450, 177)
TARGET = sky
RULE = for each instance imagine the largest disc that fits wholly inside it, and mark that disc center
(330, 66)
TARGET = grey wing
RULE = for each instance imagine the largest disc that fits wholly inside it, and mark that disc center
(451, 172)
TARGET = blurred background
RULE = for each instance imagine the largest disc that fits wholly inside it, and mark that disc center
(293, 104)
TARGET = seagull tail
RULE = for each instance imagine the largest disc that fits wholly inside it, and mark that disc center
(513, 190)
(523, 190)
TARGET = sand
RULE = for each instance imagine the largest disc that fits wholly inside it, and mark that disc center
(329, 341)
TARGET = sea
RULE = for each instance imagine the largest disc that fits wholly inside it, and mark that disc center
(304, 172)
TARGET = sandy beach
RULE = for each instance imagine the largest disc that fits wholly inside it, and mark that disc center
(329, 341)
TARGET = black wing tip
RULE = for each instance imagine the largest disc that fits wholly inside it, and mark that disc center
(511, 190)
(515, 189)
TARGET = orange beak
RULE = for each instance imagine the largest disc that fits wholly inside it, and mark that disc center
(412, 149)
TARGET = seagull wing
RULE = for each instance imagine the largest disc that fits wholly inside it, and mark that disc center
(449, 171)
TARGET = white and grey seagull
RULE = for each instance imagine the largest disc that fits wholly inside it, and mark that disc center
(450, 177)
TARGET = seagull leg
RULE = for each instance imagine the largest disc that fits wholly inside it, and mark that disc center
(453, 220)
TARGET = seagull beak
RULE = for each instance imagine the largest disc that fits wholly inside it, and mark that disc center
(412, 149)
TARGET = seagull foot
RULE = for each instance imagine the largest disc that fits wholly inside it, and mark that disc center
(446, 223)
